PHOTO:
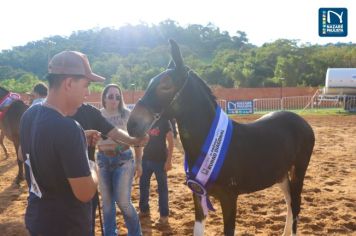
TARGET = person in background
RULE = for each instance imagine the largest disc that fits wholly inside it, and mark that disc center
(62, 181)
(117, 166)
(157, 159)
(90, 118)
(38, 94)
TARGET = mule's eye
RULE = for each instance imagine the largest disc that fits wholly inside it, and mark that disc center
(166, 84)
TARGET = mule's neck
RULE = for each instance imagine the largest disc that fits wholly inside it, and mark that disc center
(194, 114)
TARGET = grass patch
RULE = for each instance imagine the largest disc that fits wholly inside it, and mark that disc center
(322, 112)
(328, 111)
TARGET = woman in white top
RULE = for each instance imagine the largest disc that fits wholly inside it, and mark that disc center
(117, 166)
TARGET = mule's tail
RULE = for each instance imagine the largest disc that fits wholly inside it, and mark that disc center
(297, 174)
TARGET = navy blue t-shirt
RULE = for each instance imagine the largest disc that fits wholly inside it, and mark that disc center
(156, 148)
(57, 149)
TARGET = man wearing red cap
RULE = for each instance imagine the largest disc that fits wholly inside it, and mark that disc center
(62, 181)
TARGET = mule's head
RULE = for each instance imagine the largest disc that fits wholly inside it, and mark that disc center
(160, 95)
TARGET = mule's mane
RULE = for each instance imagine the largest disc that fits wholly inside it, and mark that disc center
(3, 92)
(203, 85)
(2, 89)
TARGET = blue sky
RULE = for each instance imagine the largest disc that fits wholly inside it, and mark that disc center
(22, 21)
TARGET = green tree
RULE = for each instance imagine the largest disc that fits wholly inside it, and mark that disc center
(22, 85)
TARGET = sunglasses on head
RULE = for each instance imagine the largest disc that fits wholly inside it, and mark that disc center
(117, 97)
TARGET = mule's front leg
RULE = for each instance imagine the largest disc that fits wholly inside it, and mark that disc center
(199, 225)
(228, 206)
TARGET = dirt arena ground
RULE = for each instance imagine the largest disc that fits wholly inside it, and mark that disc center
(328, 198)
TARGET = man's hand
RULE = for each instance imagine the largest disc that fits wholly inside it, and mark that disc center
(168, 165)
(92, 136)
(142, 141)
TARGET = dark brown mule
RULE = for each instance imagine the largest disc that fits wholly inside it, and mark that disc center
(275, 149)
(10, 126)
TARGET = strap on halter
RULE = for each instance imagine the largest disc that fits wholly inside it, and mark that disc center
(157, 115)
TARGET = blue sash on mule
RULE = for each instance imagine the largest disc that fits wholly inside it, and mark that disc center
(211, 158)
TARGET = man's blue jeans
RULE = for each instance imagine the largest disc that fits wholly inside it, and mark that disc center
(148, 168)
(115, 179)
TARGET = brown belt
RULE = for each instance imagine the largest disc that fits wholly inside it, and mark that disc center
(114, 153)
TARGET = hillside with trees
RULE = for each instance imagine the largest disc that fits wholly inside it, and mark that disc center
(132, 54)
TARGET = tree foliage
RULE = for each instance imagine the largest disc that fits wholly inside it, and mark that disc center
(23, 84)
(132, 54)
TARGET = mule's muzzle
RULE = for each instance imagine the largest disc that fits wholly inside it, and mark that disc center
(140, 121)
(132, 128)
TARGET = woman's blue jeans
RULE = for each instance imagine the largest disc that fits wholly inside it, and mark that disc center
(115, 182)
(148, 168)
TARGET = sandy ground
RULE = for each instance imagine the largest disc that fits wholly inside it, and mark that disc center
(328, 198)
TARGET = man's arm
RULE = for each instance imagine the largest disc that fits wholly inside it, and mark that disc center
(84, 188)
(101, 124)
(120, 135)
(80, 172)
(170, 142)
(92, 137)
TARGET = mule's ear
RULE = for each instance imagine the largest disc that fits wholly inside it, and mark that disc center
(171, 65)
(176, 55)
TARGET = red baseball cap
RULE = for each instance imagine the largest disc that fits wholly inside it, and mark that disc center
(72, 63)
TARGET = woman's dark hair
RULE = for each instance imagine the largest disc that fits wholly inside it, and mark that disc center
(122, 106)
